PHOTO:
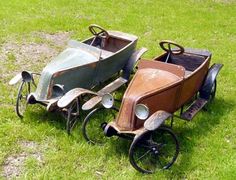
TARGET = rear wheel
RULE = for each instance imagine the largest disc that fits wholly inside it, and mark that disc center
(94, 122)
(211, 97)
(72, 115)
(154, 150)
(213, 91)
(21, 101)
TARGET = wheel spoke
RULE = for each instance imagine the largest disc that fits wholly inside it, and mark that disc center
(92, 130)
(21, 102)
(72, 116)
(162, 150)
(146, 153)
(158, 160)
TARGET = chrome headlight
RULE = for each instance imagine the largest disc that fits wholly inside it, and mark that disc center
(107, 100)
(141, 111)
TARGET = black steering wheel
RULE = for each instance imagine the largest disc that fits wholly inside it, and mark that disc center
(172, 48)
(98, 31)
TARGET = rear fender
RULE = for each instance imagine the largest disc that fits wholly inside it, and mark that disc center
(127, 70)
(156, 120)
(65, 100)
(205, 90)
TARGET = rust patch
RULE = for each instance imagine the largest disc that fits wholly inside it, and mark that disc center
(93, 65)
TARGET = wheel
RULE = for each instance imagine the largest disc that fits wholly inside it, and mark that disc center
(213, 92)
(21, 101)
(94, 122)
(72, 115)
(211, 97)
(154, 150)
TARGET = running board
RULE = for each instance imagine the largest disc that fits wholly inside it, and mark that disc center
(194, 108)
(113, 86)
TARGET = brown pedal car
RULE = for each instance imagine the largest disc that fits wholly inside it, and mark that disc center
(159, 88)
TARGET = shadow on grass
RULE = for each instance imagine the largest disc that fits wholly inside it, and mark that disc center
(38, 114)
(189, 135)
(195, 130)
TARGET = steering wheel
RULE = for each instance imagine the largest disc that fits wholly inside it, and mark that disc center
(176, 50)
(98, 31)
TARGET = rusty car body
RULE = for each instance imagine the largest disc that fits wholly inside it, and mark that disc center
(159, 88)
(83, 65)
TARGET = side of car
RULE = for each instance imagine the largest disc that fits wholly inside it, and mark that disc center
(80, 67)
(159, 88)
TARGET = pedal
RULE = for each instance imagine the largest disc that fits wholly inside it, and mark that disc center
(193, 109)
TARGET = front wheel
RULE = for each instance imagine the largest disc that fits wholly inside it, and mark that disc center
(154, 150)
(94, 122)
(21, 101)
(72, 115)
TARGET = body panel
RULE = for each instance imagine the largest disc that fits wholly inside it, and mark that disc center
(113, 64)
(64, 69)
(86, 66)
(193, 82)
(145, 83)
(162, 86)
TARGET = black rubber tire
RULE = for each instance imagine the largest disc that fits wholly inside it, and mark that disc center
(213, 91)
(23, 92)
(72, 115)
(156, 151)
(92, 127)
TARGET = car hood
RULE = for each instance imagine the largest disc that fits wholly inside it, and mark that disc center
(68, 59)
(145, 82)
(73, 57)
(150, 80)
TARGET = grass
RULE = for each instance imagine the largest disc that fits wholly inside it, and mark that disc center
(207, 144)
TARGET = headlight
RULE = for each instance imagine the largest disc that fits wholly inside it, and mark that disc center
(58, 90)
(26, 76)
(107, 100)
(141, 111)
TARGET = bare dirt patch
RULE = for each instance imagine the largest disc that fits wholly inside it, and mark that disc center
(59, 39)
(14, 164)
(29, 144)
(16, 57)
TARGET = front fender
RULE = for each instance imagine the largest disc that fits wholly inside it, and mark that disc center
(26, 76)
(127, 70)
(17, 78)
(156, 120)
(65, 100)
(205, 90)
(91, 103)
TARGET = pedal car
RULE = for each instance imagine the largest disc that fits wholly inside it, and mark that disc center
(159, 88)
(83, 65)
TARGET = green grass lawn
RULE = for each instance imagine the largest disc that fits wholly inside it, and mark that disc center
(33, 31)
